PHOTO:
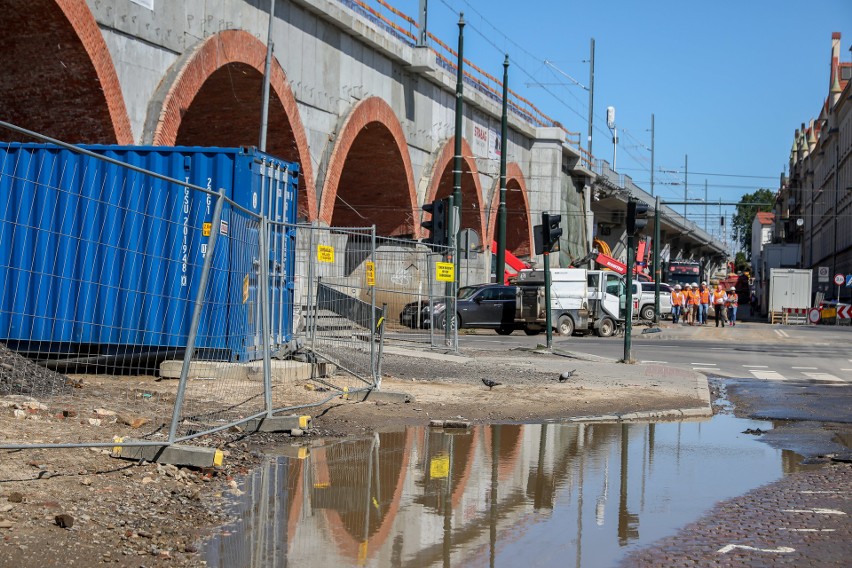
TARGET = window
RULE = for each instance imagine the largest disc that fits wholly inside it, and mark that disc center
(506, 294)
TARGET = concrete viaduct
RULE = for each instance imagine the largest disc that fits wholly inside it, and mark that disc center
(367, 114)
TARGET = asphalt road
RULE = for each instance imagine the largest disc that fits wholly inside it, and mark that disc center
(813, 354)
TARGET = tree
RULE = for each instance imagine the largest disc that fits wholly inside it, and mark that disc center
(746, 211)
(741, 263)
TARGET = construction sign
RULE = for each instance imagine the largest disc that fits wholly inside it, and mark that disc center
(325, 253)
(370, 272)
(445, 272)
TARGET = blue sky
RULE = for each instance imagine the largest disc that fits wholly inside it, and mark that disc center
(728, 82)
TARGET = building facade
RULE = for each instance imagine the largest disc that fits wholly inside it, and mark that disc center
(814, 204)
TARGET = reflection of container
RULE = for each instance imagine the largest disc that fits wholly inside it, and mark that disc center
(97, 257)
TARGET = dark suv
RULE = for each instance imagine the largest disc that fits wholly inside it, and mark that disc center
(488, 306)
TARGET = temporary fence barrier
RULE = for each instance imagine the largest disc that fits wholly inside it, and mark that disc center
(118, 274)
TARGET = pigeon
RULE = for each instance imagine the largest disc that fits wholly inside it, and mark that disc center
(566, 375)
(490, 384)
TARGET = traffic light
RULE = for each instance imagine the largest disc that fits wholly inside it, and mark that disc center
(552, 230)
(637, 216)
(437, 225)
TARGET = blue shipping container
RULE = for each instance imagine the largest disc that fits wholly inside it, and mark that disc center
(97, 257)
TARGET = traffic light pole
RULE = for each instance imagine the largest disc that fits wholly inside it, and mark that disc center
(658, 271)
(548, 316)
(457, 158)
(628, 302)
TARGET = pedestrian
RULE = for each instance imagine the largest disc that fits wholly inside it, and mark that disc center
(719, 298)
(732, 303)
(677, 301)
(689, 304)
(696, 304)
(705, 303)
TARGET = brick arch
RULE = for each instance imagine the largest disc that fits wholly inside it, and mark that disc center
(518, 219)
(212, 97)
(57, 76)
(441, 184)
(369, 172)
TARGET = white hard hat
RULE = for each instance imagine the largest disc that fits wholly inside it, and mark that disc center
(677, 286)
(704, 283)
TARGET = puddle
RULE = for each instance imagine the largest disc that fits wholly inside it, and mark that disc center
(498, 495)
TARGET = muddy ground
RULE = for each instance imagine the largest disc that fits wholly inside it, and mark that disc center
(82, 507)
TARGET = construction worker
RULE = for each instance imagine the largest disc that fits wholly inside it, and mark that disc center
(677, 302)
(719, 299)
(703, 307)
(732, 302)
(689, 315)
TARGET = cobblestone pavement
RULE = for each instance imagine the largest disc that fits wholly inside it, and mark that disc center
(800, 520)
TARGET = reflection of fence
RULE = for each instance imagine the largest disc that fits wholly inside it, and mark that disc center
(123, 265)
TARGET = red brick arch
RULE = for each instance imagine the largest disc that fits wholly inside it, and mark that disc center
(373, 136)
(518, 220)
(233, 53)
(57, 76)
(441, 184)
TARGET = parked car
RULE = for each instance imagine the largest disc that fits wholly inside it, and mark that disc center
(486, 306)
(415, 315)
(646, 303)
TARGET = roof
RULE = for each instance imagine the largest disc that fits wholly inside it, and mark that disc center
(765, 217)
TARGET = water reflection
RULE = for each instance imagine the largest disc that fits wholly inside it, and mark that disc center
(547, 494)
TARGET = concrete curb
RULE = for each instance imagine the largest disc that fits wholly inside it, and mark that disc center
(649, 416)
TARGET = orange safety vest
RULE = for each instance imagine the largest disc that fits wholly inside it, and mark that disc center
(677, 298)
(718, 297)
(705, 296)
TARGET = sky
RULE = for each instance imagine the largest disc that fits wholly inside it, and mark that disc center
(728, 82)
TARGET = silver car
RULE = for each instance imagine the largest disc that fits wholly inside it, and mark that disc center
(646, 303)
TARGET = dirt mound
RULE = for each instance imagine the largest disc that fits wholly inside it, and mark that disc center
(19, 375)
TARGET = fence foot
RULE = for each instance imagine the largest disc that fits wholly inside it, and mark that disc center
(278, 423)
(187, 456)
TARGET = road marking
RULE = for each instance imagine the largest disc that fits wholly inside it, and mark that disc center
(846, 369)
(805, 530)
(781, 333)
(809, 492)
(710, 364)
(705, 368)
(806, 368)
(824, 377)
(779, 550)
(718, 348)
(767, 375)
(756, 366)
(816, 511)
(663, 362)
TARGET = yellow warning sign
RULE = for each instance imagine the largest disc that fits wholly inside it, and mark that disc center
(445, 272)
(245, 289)
(325, 253)
(439, 467)
(371, 273)
(206, 228)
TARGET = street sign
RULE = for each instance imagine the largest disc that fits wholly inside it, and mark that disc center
(844, 312)
(839, 279)
(822, 273)
(814, 315)
(849, 280)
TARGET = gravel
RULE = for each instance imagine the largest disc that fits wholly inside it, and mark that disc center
(19, 375)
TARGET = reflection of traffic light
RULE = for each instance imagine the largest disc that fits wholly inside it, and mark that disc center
(437, 226)
(637, 216)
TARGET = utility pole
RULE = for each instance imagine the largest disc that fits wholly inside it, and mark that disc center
(652, 156)
(457, 159)
(423, 35)
(685, 182)
(658, 271)
(591, 92)
(264, 107)
(705, 206)
(500, 270)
